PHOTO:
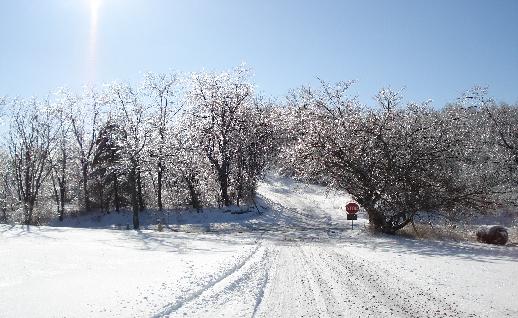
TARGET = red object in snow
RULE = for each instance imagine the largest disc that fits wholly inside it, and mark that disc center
(352, 208)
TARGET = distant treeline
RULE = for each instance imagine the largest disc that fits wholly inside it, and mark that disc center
(204, 139)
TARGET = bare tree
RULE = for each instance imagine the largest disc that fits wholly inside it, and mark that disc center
(161, 89)
(498, 143)
(84, 115)
(109, 173)
(218, 101)
(132, 116)
(7, 189)
(188, 167)
(31, 137)
(60, 155)
(396, 160)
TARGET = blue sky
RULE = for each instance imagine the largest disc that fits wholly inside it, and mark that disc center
(434, 49)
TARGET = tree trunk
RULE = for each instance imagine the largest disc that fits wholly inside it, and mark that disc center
(376, 219)
(223, 178)
(134, 199)
(26, 220)
(101, 200)
(388, 224)
(56, 197)
(62, 202)
(4, 214)
(116, 192)
(62, 181)
(239, 178)
(223, 182)
(84, 169)
(139, 190)
(4, 207)
(159, 185)
(29, 208)
(26, 217)
(195, 201)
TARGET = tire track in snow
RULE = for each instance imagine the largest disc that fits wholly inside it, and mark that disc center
(357, 297)
(324, 299)
(170, 308)
(335, 295)
(238, 294)
(388, 295)
(292, 290)
(265, 282)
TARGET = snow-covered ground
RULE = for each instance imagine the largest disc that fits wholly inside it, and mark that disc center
(293, 256)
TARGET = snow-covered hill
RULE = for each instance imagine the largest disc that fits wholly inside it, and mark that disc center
(293, 256)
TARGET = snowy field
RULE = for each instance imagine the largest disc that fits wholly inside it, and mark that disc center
(297, 258)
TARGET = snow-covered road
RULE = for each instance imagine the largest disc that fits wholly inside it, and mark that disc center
(299, 258)
(321, 280)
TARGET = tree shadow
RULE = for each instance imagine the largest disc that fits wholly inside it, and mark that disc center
(458, 250)
(29, 231)
(178, 242)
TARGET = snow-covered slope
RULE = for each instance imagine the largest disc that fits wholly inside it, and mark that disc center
(294, 256)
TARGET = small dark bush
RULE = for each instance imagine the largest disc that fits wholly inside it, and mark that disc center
(493, 235)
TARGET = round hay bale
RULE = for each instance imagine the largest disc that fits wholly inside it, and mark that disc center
(493, 235)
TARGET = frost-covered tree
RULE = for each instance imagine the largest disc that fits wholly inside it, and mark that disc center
(7, 190)
(189, 172)
(254, 148)
(503, 119)
(85, 117)
(60, 156)
(6, 194)
(161, 90)
(108, 177)
(395, 159)
(497, 136)
(31, 139)
(504, 124)
(132, 116)
(219, 102)
(205, 139)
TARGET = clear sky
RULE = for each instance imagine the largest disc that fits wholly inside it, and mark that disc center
(435, 49)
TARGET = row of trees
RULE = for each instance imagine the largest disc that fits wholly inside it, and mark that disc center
(399, 159)
(198, 140)
(204, 139)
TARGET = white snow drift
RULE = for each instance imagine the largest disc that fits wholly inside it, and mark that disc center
(297, 257)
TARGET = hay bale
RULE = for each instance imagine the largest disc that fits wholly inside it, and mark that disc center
(493, 235)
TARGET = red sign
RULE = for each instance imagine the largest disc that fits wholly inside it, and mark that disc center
(352, 208)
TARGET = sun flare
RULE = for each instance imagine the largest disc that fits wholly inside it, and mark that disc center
(92, 59)
(94, 10)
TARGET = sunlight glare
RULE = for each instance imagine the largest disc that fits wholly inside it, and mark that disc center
(94, 10)
(94, 16)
